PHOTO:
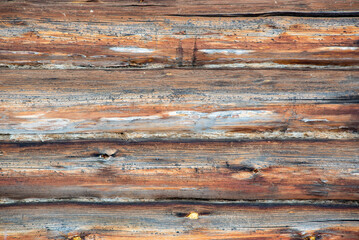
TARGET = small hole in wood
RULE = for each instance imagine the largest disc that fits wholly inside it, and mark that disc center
(104, 156)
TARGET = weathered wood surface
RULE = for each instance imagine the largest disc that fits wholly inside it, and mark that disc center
(170, 220)
(202, 42)
(104, 9)
(38, 105)
(118, 119)
(180, 170)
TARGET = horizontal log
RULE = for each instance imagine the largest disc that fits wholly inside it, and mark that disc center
(40, 105)
(162, 42)
(179, 220)
(180, 170)
(112, 9)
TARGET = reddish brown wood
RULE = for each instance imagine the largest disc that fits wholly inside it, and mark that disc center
(42, 105)
(108, 109)
(164, 220)
(143, 42)
(113, 9)
(174, 170)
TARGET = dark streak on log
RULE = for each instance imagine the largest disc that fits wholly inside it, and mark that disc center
(278, 14)
(179, 104)
(223, 8)
(168, 220)
(181, 170)
(142, 42)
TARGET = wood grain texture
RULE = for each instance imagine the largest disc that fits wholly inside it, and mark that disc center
(162, 42)
(178, 104)
(158, 119)
(112, 9)
(181, 170)
(164, 220)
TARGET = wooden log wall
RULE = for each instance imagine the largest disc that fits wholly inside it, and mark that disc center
(158, 119)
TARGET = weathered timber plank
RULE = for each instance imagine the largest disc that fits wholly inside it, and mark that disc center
(111, 9)
(180, 170)
(39, 105)
(65, 88)
(158, 42)
(167, 220)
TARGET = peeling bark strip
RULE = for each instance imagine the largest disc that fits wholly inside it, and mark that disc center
(180, 170)
(114, 9)
(201, 42)
(40, 105)
(164, 220)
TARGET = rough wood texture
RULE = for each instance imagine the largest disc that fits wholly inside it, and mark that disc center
(145, 42)
(181, 119)
(174, 170)
(40, 105)
(167, 220)
(114, 9)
